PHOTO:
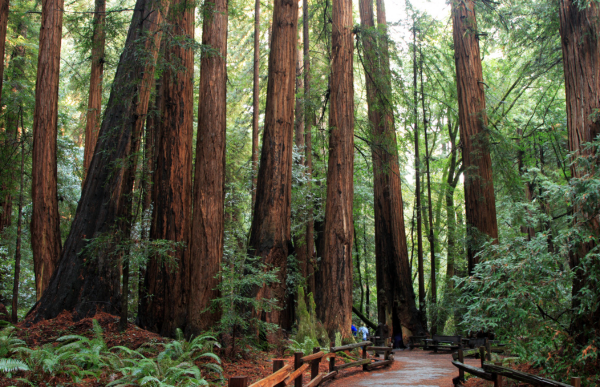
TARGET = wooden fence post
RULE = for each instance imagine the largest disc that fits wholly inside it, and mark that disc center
(314, 365)
(365, 367)
(332, 364)
(238, 381)
(482, 355)
(297, 364)
(461, 358)
(498, 382)
(576, 382)
(488, 347)
(277, 365)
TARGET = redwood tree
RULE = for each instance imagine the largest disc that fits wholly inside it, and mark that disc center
(270, 234)
(3, 27)
(45, 225)
(336, 266)
(164, 308)
(480, 203)
(95, 91)
(396, 301)
(86, 280)
(581, 60)
(209, 183)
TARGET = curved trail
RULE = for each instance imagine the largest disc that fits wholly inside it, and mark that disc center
(415, 368)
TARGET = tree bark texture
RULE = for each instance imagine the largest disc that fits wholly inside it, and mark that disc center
(480, 202)
(270, 235)
(85, 280)
(336, 266)
(209, 183)
(45, 221)
(308, 123)
(92, 124)
(15, 296)
(164, 308)
(396, 300)
(581, 60)
(255, 97)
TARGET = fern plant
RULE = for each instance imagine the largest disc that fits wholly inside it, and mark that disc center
(12, 365)
(174, 366)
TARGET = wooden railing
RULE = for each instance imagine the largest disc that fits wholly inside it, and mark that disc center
(284, 375)
(496, 373)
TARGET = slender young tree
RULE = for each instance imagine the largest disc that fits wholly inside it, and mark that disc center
(45, 222)
(397, 307)
(3, 26)
(431, 235)
(86, 279)
(422, 305)
(581, 60)
(309, 119)
(300, 240)
(165, 310)
(255, 97)
(480, 202)
(15, 295)
(95, 91)
(336, 265)
(209, 199)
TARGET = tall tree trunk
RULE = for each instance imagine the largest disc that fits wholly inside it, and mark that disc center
(86, 280)
(270, 235)
(396, 305)
(209, 182)
(360, 282)
(15, 296)
(480, 202)
(255, 97)
(95, 92)
(422, 304)
(309, 119)
(167, 284)
(431, 237)
(45, 221)
(581, 59)
(336, 266)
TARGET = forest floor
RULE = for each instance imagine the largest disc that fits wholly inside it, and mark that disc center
(415, 368)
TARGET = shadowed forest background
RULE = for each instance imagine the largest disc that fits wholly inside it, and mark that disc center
(260, 170)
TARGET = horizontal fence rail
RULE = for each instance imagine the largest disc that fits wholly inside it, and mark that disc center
(284, 375)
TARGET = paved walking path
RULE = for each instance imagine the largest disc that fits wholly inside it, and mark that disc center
(415, 368)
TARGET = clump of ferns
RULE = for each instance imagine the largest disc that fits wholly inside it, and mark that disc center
(174, 366)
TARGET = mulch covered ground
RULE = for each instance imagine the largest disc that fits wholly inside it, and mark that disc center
(255, 364)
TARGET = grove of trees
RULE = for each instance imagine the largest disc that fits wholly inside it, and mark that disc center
(200, 166)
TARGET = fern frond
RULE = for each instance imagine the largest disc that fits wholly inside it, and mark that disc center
(12, 365)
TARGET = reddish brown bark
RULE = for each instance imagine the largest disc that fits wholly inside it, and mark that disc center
(95, 91)
(45, 226)
(581, 60)
(209, 182)
(270, 235)
(480, 203)
(396, 301)
(165, 308)
(86, 280)
(255, 97)
(336, 266)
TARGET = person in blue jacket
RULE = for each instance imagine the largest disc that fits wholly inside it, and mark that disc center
(353, 330)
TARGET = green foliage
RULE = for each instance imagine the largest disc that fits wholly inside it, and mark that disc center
(239, 307)
(12, 365)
